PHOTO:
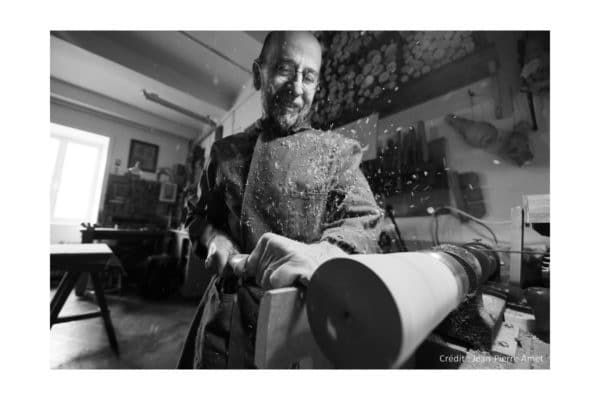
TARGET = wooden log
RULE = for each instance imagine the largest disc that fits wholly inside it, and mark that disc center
(379, 68)
(353, 336)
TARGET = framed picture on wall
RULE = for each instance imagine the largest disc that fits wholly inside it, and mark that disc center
(145, 153)
(168, 192)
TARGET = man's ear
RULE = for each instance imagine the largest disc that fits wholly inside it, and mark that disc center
(257, 80)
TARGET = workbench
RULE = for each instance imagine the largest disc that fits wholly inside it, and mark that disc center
(153, 238)
(91, 234)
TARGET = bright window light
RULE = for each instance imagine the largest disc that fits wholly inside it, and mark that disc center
(78, 164)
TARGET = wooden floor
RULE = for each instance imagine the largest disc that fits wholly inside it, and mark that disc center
(150, 334)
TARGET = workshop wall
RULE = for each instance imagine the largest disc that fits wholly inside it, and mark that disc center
(244, 112)
(498, 101)
(502, 182)
(248, 110)
(172, 150)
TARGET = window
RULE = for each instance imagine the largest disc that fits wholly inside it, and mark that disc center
(78, 162)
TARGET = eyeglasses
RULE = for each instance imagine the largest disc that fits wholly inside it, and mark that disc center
(289, 71)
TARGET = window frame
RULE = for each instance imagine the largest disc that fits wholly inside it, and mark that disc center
(66, 135)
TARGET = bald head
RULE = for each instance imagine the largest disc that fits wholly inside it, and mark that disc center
(276, 39)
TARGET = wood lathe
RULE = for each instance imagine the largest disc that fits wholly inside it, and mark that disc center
(373, 311)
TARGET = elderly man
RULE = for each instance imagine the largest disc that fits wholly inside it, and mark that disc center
(275, 202)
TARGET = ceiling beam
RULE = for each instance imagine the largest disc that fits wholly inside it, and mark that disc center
(157, 99)
(216, 52)
(259, 36)
(197, 87)
(63, 92)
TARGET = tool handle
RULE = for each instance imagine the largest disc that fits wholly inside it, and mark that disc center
(237, 262)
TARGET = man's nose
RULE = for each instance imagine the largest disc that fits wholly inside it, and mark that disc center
(297, 86)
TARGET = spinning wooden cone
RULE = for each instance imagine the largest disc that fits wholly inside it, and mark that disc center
(373, 311)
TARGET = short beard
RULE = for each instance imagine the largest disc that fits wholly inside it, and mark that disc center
(283, 119)
(287, 121)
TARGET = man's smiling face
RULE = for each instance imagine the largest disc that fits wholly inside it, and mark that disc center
(288, 78)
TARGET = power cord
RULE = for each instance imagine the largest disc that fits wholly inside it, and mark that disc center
(455, 211)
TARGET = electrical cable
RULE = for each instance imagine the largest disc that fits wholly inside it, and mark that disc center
(457, 211)
(389, 210)
(436, 240)
(461, 212)
(435, 236)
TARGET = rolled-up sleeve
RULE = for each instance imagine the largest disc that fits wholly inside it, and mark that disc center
(205, 209)
(353, 220)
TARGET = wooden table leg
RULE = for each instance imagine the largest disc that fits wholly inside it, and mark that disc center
(87, 236)
(81, 284)
(108, 326)
(65, 286)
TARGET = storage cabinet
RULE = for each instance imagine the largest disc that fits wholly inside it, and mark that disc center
(133, 202)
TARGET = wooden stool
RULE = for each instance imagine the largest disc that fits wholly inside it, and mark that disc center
(76, 259)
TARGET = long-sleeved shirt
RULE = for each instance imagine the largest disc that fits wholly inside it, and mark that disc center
(306, 186)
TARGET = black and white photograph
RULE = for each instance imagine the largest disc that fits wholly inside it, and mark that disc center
(309, 200)
(287, 199)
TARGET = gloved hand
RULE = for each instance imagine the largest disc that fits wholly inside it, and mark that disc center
(277, 261)
(220, 248)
